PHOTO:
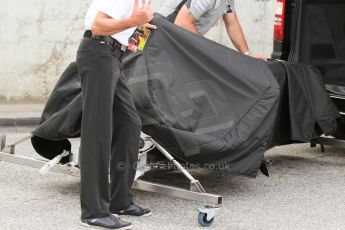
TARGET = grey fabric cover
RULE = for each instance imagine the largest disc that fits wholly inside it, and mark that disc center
(206, 104)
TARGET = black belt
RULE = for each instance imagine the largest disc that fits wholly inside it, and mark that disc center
(107, 39)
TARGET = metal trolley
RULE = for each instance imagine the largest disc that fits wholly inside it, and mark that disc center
(196, 192)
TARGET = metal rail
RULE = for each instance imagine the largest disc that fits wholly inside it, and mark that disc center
(196, 192)
(36, 163)
(194, 184)
(177, 192)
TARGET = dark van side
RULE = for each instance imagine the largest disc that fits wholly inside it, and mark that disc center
(313, 32)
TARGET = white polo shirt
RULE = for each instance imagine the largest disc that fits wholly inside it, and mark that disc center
(117, 9)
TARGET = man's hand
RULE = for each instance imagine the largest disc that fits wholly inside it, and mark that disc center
(258, 56)
(105, 25)
(141, 15)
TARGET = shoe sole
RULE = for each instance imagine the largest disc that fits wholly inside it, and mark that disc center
(97, 227)
(145, 215)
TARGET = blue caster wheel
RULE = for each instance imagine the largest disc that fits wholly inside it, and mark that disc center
(202, 219)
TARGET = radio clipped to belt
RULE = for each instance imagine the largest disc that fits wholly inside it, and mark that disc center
(139, 38)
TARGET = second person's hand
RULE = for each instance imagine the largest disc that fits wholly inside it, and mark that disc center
(258, 56)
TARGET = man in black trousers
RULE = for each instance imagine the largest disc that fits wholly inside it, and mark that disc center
(110, 129)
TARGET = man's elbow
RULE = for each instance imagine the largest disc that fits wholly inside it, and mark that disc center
(182, 24)
(186, 24)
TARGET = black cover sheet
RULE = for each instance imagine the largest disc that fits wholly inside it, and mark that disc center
(206, 104)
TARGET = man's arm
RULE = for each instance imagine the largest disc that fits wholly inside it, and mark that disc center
(105, 25)
(186, 20)
(236, 35)
(235, 32)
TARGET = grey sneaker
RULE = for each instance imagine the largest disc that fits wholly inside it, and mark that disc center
(135, 210)
(110, 222)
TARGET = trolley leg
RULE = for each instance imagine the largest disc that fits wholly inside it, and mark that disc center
(2, 141)
(323, 150)
(194, 184)
(315, 142)
(11, 147)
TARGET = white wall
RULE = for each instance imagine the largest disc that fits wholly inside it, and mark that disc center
(39, 38)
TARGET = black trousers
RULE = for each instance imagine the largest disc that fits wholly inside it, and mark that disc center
(110, 131)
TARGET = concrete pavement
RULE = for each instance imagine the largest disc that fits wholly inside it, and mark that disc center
(306, 190)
